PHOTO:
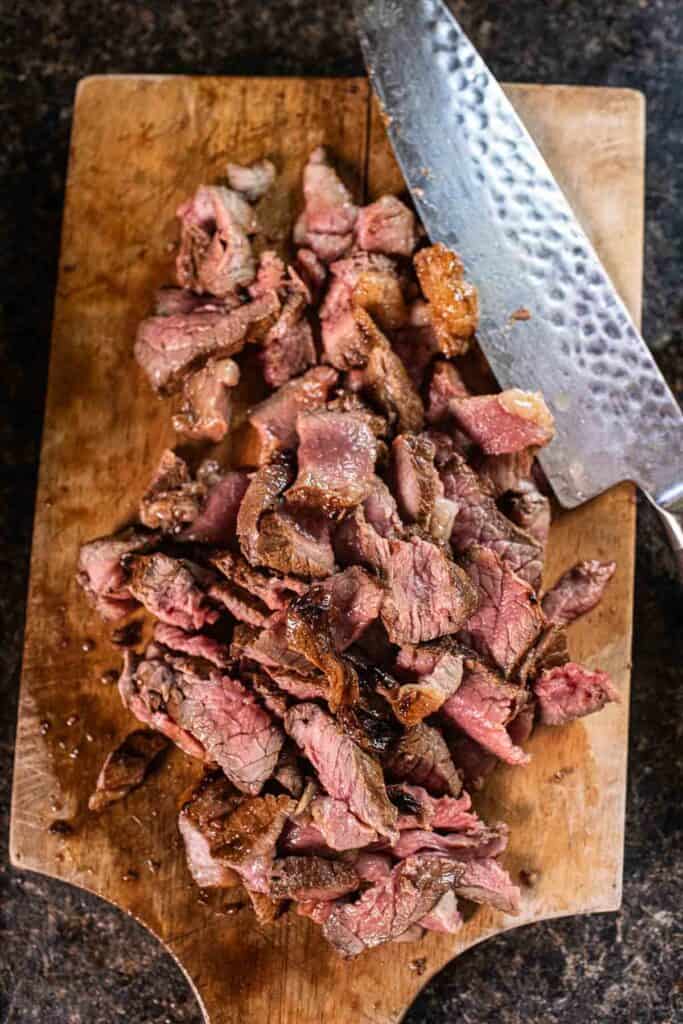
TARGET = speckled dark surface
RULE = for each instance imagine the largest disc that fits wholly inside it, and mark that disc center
(66, 958)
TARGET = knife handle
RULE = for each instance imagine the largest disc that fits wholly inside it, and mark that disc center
(669, 507)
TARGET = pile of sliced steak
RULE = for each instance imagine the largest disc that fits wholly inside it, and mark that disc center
(347, 621)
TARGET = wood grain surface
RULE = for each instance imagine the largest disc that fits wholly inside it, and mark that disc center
(139, 146)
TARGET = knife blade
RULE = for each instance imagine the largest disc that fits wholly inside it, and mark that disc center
(481, 186)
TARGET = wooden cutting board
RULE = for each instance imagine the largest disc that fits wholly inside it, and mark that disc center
(139, 146)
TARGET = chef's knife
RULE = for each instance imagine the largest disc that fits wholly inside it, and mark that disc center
(481, 187)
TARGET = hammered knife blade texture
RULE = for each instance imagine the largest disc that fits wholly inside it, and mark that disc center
(481, 187)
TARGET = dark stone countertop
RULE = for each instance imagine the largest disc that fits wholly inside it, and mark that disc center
(68, 958)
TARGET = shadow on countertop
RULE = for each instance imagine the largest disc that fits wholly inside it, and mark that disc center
(68, 958)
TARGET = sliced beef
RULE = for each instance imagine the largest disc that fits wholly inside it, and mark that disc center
(550, 650)
(571, 691)
(429, 674)
(372, 867)
(274, 419)
(483, 706)
(389, 908)
(423, 759)
(172, 589)
(578, 591)
(224, 720)
(507, 422)
(169, 347)
(240, 603)
(288, 770)
(508, 618)
(172, 498)
(531, 511)
(346, 771)
(336, 457)
(326, 224)
(418, 809)
(199, 824)
(197, 645)
(127, 767)
(418, 486)
(169, 301)
(288, 347)
(357, 542)
(445, 916)
(348, 602)
(301, 836)
(475, 843)
(369, 721)
(381, 511)
(291, 671)
(453, 303)
(273, 592)
(215, 255)
(480, 522)
(217, 520)
(445, 384)
(471, 759)
(312, 878)
(340, 828)
(485, 881)
(296, 544)
(511, 471)
(206, 408)
(309, 634)
(252, 181)
(102, 575)
(428, 595)
(270, 275)
(312, 272)
(387, 226)
(272, 698)
(261, 495)
(246, 838)
(415, 342)
(385, 380)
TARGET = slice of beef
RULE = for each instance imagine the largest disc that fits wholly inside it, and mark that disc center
(531, 511)
(480, 522)
(418, 487)
(578, 591)
(272, 698)
(522, 725)
(336, 457)
(326, 224)
(169, 301)
(253, 180)
(445, 384)
(172, 498)
(340, 828)
(275, 592)
(476, 843)
(571, 691)
(385, 380)
(172, 589)
(274, 419)
(372, 867)
(312, 272)
(312, 878)
(507, 422)
(389, 908)
(301, 837)
(169, 347)
(485, 881)
(102, 575)
(240, 603)
(508, 618)
(445, 917)
(346, 771)
(206, 408)
(246, 838)
(144, 697)
(224, 720)
(483, 706)
(387, 226)
(428, 675)
(288, 347)
(215, 255)
(296, 544)
(508, 472)
(418, 809)
(428, 595)
(308, 633)
(371, 283)
(357, 542)
(199, 821)
(290, 670)
(217, 519)
(369, 721)
(197, 645)
(422, 759)
(262, 494)
(415, 342)
(550, 650)
(289, 768)
(344, 605)
(381, 511)
(453, 303)
(126, 767)
(270, 275)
